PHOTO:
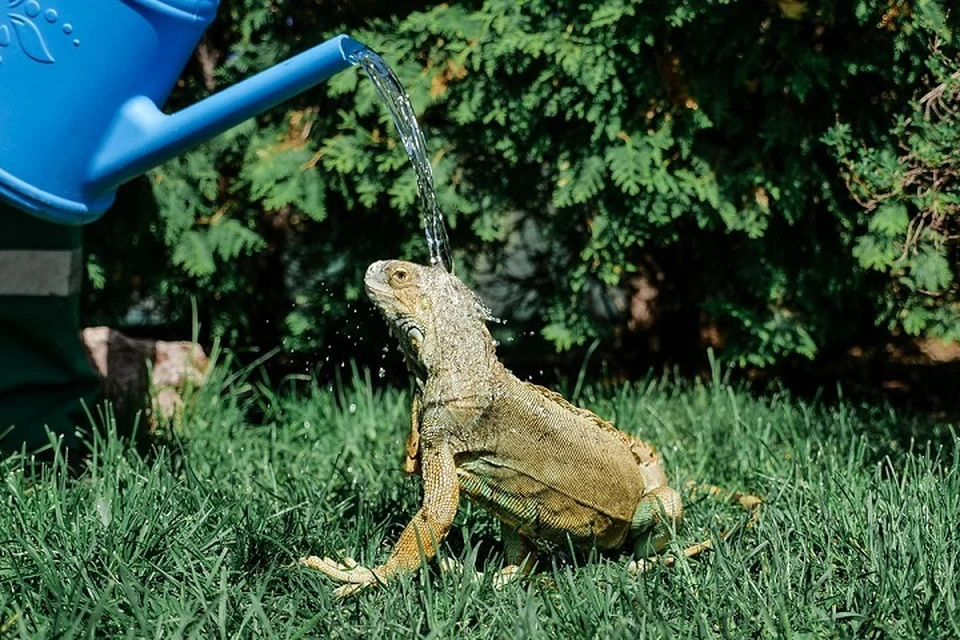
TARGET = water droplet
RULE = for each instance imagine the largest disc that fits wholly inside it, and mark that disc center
(67, 28)
(32, 8)
(76, 43)
(352, 408)
(50, 15)
(382, 373)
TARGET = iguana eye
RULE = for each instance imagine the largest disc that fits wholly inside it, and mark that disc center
(399, 275)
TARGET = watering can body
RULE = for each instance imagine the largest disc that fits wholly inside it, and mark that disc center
(81, 83)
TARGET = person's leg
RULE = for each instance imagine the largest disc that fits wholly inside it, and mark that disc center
(44, 372)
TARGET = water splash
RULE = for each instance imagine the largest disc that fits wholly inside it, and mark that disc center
(392, 94)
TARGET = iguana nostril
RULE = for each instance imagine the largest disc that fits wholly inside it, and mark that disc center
(375, 269)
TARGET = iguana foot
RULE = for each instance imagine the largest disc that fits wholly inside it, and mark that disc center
(451, 565)
(636, 567)
(508, 574)
(356, 576)
(500, 579)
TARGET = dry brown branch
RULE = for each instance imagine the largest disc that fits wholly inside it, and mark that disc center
(934, 99)
(208, 58)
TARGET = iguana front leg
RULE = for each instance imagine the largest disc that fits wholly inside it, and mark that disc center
(421, 536)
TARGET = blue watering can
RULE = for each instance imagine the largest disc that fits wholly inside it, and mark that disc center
(81, 82)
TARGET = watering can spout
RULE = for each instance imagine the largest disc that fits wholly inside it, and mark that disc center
(142, 136)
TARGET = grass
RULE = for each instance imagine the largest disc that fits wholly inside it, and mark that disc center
(194, 538)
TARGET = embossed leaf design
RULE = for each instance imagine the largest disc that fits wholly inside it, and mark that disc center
(12, 3)
(30, 39)
(4, 35)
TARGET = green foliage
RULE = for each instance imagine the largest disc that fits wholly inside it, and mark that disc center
(716, 149)
(198, 539)
(907, 181)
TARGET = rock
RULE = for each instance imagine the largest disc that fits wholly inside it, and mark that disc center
(122, 363)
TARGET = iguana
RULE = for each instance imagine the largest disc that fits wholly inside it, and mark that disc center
(550, 471)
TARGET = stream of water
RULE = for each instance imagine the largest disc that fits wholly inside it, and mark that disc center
(397, 101)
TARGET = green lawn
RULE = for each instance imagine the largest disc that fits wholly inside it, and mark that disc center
(858, 537)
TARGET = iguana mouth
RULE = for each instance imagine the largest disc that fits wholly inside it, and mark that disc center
(376, 293)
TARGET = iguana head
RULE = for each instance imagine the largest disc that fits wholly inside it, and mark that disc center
(438, 321)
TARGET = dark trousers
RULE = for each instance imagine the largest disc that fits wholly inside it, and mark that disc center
(45, 376)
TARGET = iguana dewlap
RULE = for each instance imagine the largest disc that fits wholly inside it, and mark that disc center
(550, 471)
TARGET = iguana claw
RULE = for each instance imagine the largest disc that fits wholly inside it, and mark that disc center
(507, 575)
(356, 576)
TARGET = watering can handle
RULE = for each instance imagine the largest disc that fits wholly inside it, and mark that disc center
(143, 137)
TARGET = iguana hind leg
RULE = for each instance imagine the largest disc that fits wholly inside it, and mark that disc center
(520, 553)
(655, 519)
(748, 501)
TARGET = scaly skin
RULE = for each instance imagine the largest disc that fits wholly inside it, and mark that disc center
(551, 472)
